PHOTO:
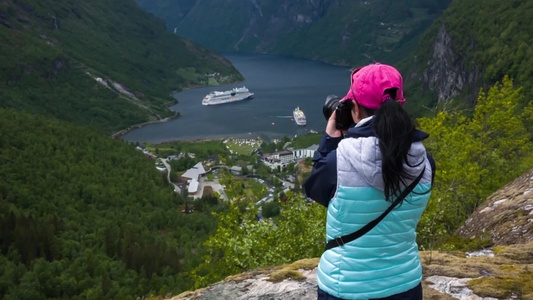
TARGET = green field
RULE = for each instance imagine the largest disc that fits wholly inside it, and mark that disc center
(243, 146)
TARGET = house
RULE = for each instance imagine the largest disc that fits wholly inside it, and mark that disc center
(200, 168)
(193, 187)
(306, 152)
(236, 170)
(283, 158)
(271, 161)
(193, 176)
(174, 157)
(194, 172)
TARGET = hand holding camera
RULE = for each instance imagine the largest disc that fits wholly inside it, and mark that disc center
(343, 112)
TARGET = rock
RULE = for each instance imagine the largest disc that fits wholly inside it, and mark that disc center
(504, 273)
(506, 216)
(455, 287)
(296, 281)
(447, 74)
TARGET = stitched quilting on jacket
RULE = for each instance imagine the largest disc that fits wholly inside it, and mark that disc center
(384, 261)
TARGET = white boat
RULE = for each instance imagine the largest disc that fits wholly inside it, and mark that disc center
(299, 116)
(234, 95)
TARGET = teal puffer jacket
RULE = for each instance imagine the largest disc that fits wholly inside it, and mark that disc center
(385, 261)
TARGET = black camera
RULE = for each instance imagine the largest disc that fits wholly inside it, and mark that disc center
(343, 118)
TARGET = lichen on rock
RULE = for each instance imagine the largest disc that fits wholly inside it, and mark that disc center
(507, 214)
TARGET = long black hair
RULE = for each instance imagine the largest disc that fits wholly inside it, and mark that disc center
(395, 130)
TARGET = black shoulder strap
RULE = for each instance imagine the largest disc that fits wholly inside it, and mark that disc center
(341, 240)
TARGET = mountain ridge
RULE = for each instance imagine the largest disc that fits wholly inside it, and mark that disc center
(327, 30)
(51, 48)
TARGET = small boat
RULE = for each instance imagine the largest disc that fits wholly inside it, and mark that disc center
(234, 95)
(299, 117)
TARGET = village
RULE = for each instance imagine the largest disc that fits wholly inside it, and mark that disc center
(203, 178)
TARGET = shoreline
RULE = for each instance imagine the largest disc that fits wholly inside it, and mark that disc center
(121, 133)
(177, 114)
(211, 138)
(262, 137)
(199, 140)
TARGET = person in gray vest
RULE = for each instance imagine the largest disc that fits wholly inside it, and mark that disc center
(359, 171)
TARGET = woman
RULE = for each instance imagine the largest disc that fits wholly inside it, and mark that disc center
(357, 174)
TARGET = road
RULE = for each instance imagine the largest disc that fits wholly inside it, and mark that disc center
(176, 187)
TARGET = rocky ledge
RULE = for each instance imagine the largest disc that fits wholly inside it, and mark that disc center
(504, 273)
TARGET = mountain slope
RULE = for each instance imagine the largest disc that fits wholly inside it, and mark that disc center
(170, 11)
(83, 215)
(337, 31)
(53, 53)
(473, 45)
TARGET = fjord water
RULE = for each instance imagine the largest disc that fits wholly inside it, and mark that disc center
(279, 83)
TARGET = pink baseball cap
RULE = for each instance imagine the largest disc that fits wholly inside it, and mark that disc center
(369, 83)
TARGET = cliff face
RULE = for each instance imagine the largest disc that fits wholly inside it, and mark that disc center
(266, 27)
(441, 70)
(474, 44)
(501, 272)
(447, 75)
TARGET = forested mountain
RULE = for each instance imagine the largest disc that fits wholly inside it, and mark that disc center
(473, 45)
(106, 64)
(337, 31)
(172, 12)
(83, 215)
(466, 44)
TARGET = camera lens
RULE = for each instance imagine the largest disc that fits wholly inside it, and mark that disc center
(343, 118)
(332, 101)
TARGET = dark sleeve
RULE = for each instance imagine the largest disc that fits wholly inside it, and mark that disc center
(322, 183)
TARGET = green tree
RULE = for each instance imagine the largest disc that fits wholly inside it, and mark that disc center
(242, 242)
(84, 215)
(290, 168)
(270, 209)
(474, 156)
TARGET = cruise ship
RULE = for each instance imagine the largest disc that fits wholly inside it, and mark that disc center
(234, 95)
(299, 116)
